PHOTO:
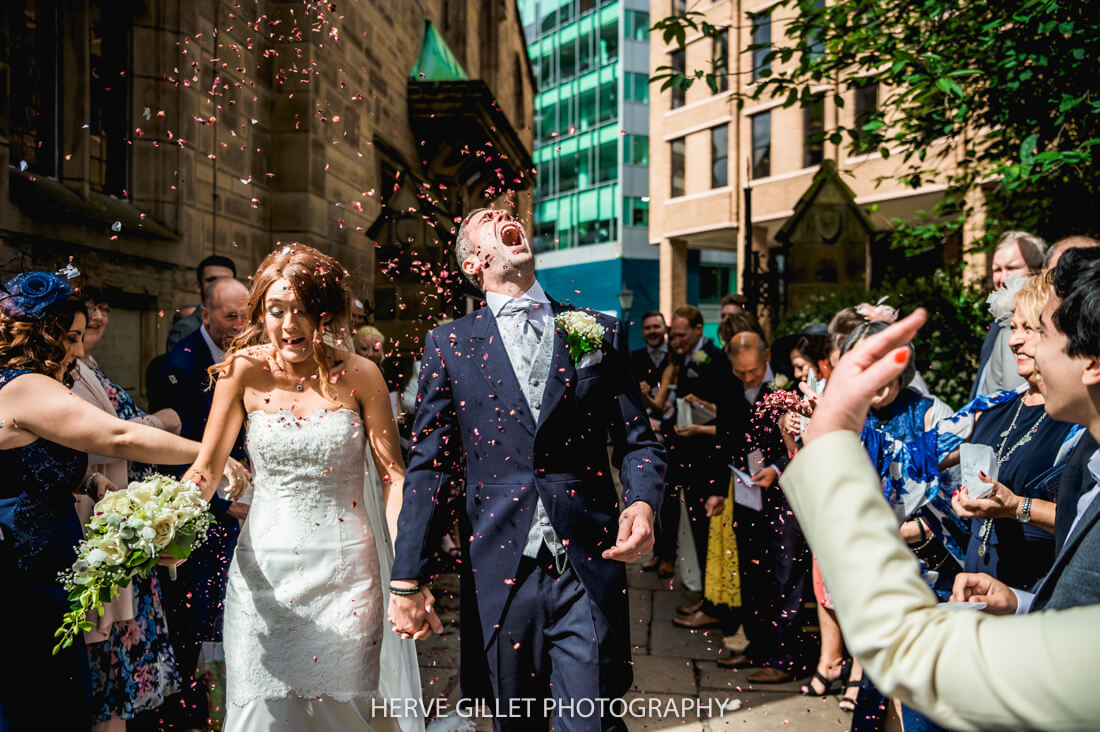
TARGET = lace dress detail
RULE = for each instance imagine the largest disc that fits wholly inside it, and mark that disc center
(303, 608)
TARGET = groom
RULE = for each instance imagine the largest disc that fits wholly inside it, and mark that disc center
(506, 414)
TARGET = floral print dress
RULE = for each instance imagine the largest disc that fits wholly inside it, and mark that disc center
(134, 670)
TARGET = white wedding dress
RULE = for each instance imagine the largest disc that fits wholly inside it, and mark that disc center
(304, 605)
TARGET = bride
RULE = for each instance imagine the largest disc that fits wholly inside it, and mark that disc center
(304, 604)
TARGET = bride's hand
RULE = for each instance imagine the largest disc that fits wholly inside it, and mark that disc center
(237, 475)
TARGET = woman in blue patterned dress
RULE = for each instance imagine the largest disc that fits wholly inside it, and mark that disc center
(132, 662)
(45, 433)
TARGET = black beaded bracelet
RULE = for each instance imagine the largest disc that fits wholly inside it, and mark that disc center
(404, 591)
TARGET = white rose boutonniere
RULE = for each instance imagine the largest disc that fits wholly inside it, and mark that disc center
(700, 357)
(780, 382)
(583, 333)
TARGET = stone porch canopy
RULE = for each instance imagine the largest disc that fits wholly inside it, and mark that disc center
(459, 127)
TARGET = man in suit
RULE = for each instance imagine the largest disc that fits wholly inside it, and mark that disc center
(1017, 254)
(1068, 357)
(966, 670)
(649, 365)
(214, 267)
(772, 553)
(506, 411)
(693, 470)
(649, 361)
(193, 601)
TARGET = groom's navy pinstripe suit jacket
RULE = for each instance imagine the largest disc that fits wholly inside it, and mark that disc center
(473, 429)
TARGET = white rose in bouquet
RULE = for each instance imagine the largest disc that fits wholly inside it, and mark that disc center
(117, 502)
(164, 528)
(141, 493)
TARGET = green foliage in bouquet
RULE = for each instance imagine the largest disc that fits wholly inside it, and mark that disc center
(129, 531)
(947, 347)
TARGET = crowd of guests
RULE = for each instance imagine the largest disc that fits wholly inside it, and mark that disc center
(732, 415)
(736, 411)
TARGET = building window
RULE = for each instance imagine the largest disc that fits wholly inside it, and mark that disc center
(546, 70)
(678, 62)
(720, 60)
(676, 167)
(609, 101)
(607, 161)
(762, 145)
(567, 61)
(636, 212)
(637, 26)
(109, 81)
(609, 41)
(521, 97)
(637, 87)
(586, 109)
(813, 132)
(636, 149)
(817, 32)
(719, 156)
(586, 54)
(714, 282)
(865, 108)
(762, 42)
(34, 86)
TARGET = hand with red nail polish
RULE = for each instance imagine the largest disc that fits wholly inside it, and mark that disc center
(873, 363)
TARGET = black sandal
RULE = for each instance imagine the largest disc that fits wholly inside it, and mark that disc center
(847, 703)
(808, 689)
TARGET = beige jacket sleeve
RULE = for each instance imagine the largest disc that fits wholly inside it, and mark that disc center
(965, 669)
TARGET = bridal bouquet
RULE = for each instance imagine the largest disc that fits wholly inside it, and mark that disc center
(129, 531)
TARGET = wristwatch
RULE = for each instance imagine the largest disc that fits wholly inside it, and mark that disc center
(1024, 514)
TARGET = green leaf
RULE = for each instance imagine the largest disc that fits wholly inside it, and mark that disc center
(1027, 149)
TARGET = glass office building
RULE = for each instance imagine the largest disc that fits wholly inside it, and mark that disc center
(591, 213)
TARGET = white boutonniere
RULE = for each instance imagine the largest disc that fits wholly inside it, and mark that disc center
(700, 357)
(779, 383)
(583, 333)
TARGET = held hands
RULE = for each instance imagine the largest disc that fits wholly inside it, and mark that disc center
(413, 616)
(980, 587)
(635, 533)
(865, 369)
(238, 477)
(1000, 503)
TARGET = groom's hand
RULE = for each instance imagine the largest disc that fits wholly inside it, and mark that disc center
(635, 533)
(413, 616)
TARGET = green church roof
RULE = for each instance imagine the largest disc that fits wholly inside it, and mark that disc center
(436, 61)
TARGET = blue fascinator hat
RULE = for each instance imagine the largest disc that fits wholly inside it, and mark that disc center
(30, 295)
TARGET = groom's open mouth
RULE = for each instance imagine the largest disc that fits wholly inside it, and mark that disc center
(511, 236)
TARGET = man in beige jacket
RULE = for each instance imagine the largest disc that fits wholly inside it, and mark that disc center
(966, 669)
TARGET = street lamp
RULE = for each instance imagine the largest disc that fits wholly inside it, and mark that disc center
(626, 299)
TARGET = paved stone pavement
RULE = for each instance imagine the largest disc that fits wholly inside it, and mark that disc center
(670, 664)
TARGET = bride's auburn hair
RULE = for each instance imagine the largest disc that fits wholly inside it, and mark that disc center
(320, 285)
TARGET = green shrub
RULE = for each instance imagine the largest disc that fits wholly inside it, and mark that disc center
(949, 344)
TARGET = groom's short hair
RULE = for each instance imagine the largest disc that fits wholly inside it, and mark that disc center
(463, 245)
